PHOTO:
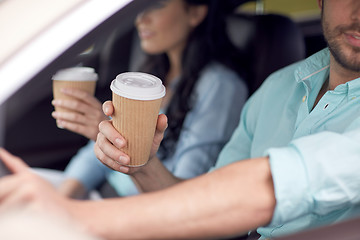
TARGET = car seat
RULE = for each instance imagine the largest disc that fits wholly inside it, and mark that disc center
(269, 42)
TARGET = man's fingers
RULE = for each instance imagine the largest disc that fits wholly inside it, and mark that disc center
(15, 164)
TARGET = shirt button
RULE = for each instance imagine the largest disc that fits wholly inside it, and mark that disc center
(326, 105)
(304, 98)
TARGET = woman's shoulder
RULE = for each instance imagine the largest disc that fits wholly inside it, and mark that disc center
(218, 69)
(217, 75)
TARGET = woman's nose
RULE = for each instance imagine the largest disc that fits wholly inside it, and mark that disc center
(142, 17)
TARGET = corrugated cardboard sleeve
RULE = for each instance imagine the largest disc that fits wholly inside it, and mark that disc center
(88, 86)
(136, 122)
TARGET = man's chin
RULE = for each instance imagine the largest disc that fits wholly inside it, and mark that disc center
(347, 56)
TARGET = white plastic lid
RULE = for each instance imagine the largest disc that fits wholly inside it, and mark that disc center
(138, 86)
(76, 74)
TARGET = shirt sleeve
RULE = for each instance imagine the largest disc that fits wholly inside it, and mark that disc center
(238, 147)
(220, 98)
(317, 174)
(86, 168)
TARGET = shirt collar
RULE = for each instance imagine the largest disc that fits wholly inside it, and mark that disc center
(313, 65)
(352, 88)
(317, 66)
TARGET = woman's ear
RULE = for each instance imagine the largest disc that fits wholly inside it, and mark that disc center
(197, 14)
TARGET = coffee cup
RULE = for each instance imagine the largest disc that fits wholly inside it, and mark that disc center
(136, 98)
(83, 78)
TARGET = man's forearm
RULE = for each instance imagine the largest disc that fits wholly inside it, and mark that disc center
(229, 201)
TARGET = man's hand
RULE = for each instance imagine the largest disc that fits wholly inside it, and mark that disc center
(27, 190)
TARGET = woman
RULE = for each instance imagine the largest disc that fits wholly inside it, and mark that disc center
(188, 49)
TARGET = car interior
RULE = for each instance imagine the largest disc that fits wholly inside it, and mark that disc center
(268, 40)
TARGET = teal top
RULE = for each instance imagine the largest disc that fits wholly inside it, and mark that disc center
(314, 152)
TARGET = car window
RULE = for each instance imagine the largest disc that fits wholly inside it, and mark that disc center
(55, 27)
(40, 13)
(56, 33)
(294, 9)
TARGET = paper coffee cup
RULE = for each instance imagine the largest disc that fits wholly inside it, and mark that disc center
(137, 98)
(83, 78)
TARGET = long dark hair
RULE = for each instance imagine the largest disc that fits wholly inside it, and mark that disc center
(208, 42)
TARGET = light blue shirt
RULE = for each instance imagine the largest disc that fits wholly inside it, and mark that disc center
(219, 97)
(314, 154)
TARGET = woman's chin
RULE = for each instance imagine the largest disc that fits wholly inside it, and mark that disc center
(152, 50)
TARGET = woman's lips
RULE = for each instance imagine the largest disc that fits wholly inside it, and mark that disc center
(145, 34)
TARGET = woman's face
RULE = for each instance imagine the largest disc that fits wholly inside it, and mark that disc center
(164, 28)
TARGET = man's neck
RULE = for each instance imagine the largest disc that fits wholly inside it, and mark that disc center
(339, 75)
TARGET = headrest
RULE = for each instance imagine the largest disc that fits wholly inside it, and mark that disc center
(269, 42)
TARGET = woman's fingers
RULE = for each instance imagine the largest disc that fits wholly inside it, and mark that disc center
(77, 118)
(85, 130)
(73, 105)
(108, 108)
(162, 123)
(111, 134)
(77, 123)
(160, 130)
(80, 101)
(111, 151)
(74, 117)
(110, 156)
(82, 96)
(159, 134)
(84, 113)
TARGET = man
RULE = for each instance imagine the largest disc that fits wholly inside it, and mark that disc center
(301, 131)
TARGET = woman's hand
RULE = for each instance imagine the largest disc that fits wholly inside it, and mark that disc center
(84, 116)
(110, 142)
